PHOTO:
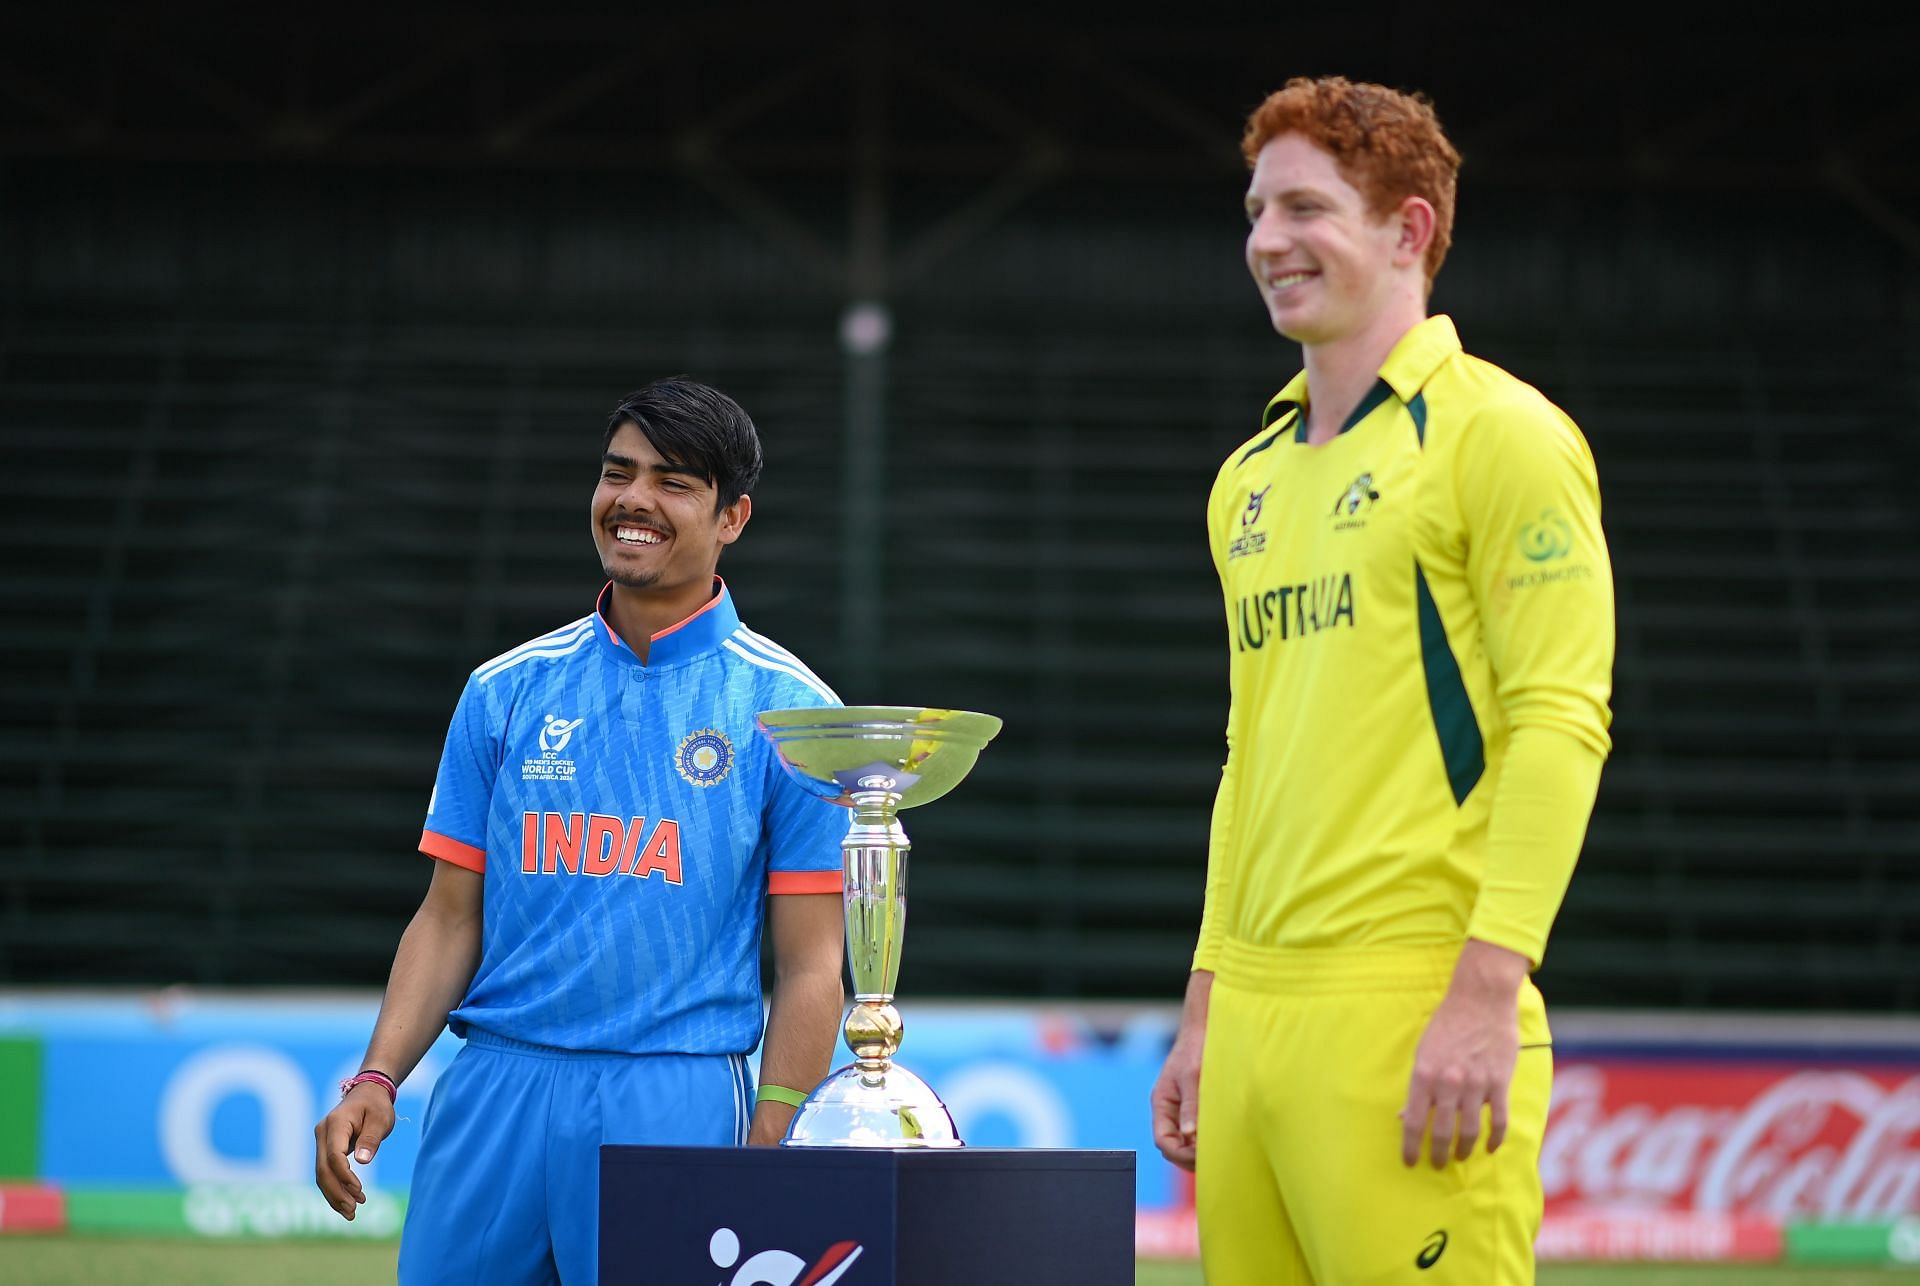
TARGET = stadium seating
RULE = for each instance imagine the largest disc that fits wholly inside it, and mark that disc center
(251, 550)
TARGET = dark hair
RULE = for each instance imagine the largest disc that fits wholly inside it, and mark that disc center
(696, 425)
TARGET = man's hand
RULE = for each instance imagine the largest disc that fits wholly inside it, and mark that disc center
(357, 1126)
(1176, 1091)
(770, 1121)
(1466, 1057)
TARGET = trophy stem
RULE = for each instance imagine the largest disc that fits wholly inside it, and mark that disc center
(874, 855)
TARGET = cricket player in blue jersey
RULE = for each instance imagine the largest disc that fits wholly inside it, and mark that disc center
(607, 825)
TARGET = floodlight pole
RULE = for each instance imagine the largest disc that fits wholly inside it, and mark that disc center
(865, 335)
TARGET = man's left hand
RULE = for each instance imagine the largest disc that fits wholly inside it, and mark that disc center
(1466, 1057)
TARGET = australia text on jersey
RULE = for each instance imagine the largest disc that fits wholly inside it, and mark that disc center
(1289, 611)
(599, 845)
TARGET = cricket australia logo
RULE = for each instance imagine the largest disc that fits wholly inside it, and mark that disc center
(1250, 541)
(705, 757)
(780, 1267)
(1360, 495)
(1354, 501)
(555, 733)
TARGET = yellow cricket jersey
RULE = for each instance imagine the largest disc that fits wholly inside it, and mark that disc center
(1420, 615)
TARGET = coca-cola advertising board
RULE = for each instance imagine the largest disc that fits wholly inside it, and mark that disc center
(1780, 1139)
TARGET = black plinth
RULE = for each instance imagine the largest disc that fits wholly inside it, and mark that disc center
(855, 1217)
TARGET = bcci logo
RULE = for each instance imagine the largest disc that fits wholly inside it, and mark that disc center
(705, 757)
(555, 733)
(1250, 541)
(780, 1267)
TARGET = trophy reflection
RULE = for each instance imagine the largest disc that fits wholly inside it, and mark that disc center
(876, 760)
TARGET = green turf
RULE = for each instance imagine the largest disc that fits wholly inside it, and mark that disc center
(97, 1261)
(94, 1261)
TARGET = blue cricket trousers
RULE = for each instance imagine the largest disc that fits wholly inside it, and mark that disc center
(506, 1189)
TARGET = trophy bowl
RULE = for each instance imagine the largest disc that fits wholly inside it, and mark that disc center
(925, 753)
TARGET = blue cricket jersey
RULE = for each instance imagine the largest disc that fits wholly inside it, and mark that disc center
(629, 819)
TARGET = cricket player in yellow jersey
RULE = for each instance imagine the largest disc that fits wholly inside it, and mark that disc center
(1419, 612)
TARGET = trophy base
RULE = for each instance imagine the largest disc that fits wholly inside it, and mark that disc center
(847, 1111)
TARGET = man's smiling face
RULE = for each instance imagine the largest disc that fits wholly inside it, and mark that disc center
(654, 521)
(1324, 264)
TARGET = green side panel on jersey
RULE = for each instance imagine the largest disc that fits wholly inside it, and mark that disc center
(21, 1060)
(1461, 748)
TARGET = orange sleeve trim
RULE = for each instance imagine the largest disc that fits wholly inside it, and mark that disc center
(434, 844)
(804, 882)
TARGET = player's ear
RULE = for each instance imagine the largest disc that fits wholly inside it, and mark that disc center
(1417, 220)
(733, 519)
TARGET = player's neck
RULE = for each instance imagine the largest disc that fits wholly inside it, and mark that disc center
(1342, 372)
(638, 614)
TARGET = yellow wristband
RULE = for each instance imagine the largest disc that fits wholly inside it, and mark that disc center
(780, 1094)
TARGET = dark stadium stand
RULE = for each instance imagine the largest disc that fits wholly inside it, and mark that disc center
(302, 371)
(249, 564)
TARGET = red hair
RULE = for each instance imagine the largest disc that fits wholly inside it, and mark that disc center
(1389, 145)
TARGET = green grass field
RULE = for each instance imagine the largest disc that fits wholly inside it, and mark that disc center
(87, 1261)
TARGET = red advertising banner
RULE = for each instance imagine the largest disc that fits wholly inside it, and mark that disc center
(1776, 1140)
(1699, 1156)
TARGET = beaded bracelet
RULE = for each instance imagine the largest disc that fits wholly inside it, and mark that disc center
(381, 1079)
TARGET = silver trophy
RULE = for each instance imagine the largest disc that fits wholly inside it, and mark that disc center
(875, 760)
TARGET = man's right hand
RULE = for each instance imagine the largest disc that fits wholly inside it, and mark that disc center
(1176, 1092)
(356, 1127)
(1176, 1100)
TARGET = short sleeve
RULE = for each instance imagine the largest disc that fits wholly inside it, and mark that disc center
(456, 827)
(801, 835)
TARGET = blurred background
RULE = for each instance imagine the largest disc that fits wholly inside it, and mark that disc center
(310, 319)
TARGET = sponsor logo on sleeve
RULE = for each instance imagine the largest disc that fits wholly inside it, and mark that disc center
(1545, 543)
(1547, 539)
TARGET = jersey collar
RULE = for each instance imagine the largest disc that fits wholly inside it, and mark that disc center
(1420, 352)
(700, 633)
